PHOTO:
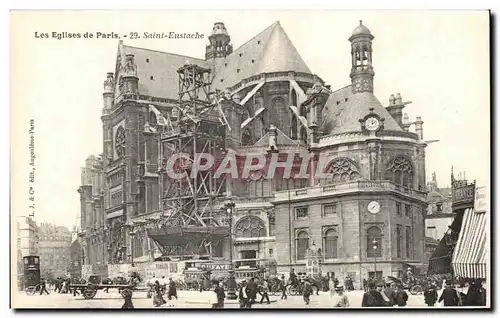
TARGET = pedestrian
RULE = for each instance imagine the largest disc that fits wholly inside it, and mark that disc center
(307, 291)
(243, 296)
(221, 295)
(374, 297)
(43, 287)
(283, 287)
(293, 278)
(172, 289)
(127, 298)
(400, 297)
(163, 284)
(252, 290)
(340, 299)
(389, 291)
(449, 295)
(476, 295)
(331, 287)
(365, 285)
(202, 287)
(430, 294)
(158, 296)
(265, 292)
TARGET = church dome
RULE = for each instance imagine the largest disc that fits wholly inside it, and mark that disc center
(219, 28)
(361, 29)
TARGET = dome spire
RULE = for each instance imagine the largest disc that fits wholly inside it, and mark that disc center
(361, 51)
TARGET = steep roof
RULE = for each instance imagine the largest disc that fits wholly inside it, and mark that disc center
(162, 67)
(269, 51)
(344, 110)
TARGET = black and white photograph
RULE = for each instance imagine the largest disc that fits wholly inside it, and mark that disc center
(250, 159)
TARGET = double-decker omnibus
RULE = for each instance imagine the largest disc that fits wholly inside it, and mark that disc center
(31, 266)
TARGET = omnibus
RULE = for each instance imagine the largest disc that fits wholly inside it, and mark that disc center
(31, 266)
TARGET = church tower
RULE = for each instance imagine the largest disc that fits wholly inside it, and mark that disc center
(220, 42)
(361, 51)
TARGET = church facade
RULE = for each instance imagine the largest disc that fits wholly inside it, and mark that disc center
(365, 218)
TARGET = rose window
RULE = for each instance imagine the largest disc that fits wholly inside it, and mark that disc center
(343, 170)
(250, 226)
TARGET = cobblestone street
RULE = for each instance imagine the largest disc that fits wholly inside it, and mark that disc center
(187, 299)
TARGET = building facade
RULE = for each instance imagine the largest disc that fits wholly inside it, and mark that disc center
(439, 213)
(27, 236)
(366, 215)
(54, 250)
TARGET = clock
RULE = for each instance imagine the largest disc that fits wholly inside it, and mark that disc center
(374, 207)
(372, 124)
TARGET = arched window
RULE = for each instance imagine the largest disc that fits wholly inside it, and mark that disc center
(330, 240)
(302, 244)
(303, 134)
(400, 171)
(279, 114)
(120, 141)
(246, 138)
(293, 128)
(152, 118)
(294, 98)
(250, 226)
(374, 242)
(343, 170)
(399, 237)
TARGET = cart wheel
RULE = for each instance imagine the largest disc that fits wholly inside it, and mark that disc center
(415, 290)
(89, 293)
(30, 291)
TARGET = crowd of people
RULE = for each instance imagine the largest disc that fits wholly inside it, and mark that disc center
(377, 293)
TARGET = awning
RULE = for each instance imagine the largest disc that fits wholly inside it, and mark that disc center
(471, 252)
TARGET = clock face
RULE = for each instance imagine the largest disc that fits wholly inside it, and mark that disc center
(374, 207)
(372, 124)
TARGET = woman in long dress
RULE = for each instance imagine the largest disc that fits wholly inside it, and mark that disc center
(158, 297)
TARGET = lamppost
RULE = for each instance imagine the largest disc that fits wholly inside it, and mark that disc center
(375, 247)
(231, 290)
(132, 235)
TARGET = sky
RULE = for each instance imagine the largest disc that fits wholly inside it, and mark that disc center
(439, 60)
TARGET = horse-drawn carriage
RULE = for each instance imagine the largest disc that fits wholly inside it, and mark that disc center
(95, 283)
(414, 285)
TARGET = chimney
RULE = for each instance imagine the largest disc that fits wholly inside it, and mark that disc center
(419, 128)
(406, 122)
(395, 108)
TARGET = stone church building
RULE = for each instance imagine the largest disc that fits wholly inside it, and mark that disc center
(367, 218)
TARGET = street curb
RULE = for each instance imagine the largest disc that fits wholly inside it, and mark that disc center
(225, 302)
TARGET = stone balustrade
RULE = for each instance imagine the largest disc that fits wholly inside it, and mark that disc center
(349, 187)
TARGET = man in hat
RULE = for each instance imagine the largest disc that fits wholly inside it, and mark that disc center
(400, 296)
(340, 299)
(476, 295)
(374, 297)
(307, 291)
(283, 287)
(172, 289)
(449, 295)
(430, 294)
(243, 297)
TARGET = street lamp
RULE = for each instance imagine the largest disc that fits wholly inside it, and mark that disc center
(375, 247)
(132, 235)
(231, 290)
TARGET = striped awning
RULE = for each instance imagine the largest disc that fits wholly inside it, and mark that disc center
(471, 252)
